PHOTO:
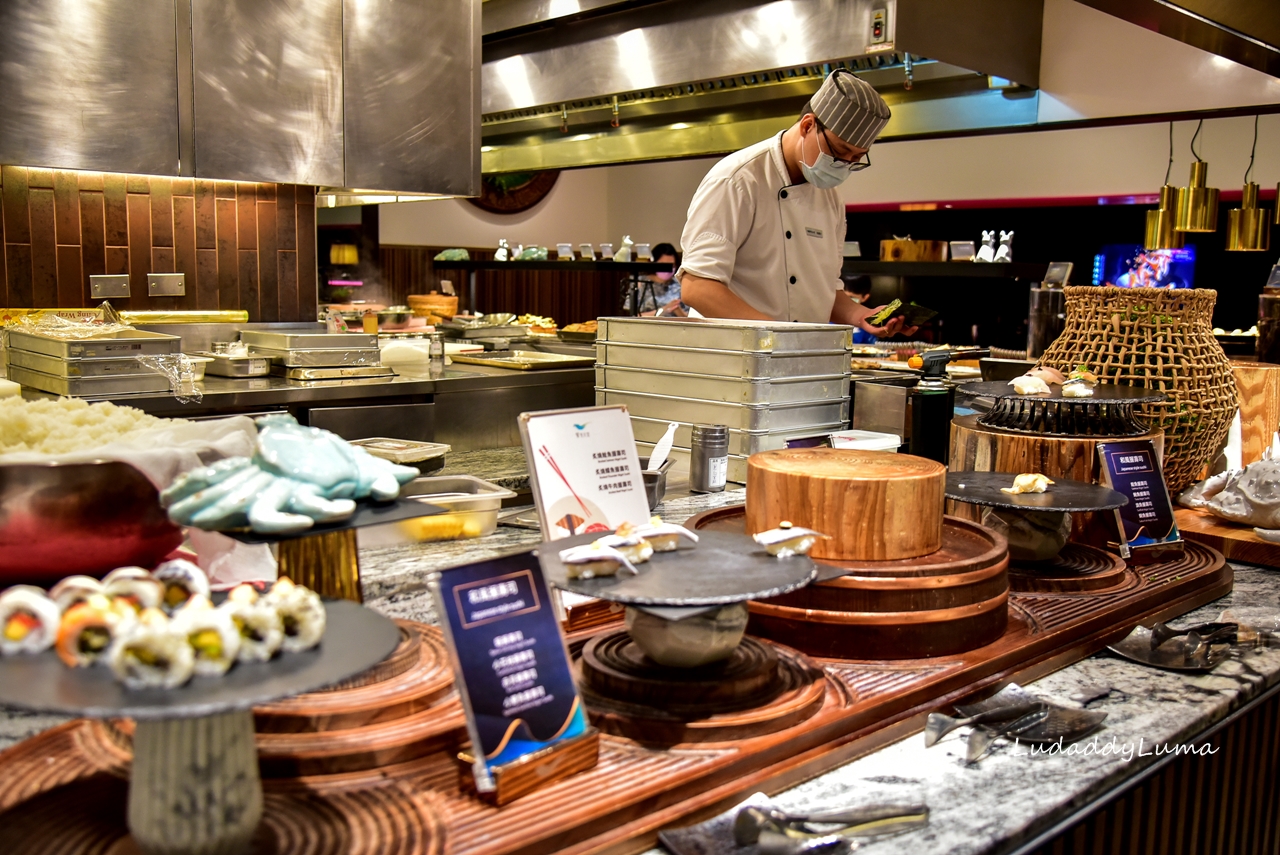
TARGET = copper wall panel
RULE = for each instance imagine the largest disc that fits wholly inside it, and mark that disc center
(240, 246)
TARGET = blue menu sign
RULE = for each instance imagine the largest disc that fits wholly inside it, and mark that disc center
(1146, 524)
(510, 660)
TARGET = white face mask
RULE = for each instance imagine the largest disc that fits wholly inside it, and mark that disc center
(824, 174)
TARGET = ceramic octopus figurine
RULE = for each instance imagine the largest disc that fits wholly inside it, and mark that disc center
(297, 476)
(1250, 495)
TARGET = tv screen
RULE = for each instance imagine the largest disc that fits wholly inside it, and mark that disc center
(1132, 266)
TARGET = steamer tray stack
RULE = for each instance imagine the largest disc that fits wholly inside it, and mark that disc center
(766, 381)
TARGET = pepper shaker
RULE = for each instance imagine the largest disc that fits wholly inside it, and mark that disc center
(709, 458)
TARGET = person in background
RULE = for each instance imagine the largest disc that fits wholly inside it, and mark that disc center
(660, 292)
(764, 237)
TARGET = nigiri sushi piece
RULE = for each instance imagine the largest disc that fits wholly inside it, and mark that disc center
(182, 580)
(212, 634)
(28, 620)
(151, 653)
(1027, 385)
(88, 629)
(1083, 374)
(787, 540)
(134, 585)
(74, 589)
(627, 540)
(301, 613)
(1028, 483)
(592, 559)
(261, 630)
(664, 537)
(1077, 389)
(1047, 373)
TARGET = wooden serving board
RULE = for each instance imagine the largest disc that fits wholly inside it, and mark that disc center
(63, 791)
(1234, 540)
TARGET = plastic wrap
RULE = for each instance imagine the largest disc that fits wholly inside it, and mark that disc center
(179, 370)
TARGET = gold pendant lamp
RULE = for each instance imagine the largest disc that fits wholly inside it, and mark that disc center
(1161, 233)
(1197, 203)
(1247, 227)
(1276, 218)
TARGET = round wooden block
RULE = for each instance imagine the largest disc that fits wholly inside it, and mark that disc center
(762, 689)
(1078, 567)
(874, 505)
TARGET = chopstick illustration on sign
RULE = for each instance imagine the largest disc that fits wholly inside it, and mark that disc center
(552, 461)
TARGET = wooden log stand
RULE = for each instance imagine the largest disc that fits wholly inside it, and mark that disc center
(873, 505)
(1234, 540)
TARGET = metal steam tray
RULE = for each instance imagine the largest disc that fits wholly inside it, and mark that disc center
(723, 363)
(750, 336)
(341, 372)
(266, 340)
(525, 360)
(758, 417)
(729, 390)
(90, 387)
(224, 365)
(743, 442)
(104, 346)
(323, 358)
(75, 367)
(508, 332)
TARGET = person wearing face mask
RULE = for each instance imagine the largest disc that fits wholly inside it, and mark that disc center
(658, 290)
(764, 238)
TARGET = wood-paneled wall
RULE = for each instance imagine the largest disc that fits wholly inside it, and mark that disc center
(567, 296)
(241, 245)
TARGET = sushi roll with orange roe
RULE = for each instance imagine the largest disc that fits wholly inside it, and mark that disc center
(28, 620)
(88, 629)
(73, 590)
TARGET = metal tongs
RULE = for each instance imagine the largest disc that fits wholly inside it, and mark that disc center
(777, 832)
(1196, 640)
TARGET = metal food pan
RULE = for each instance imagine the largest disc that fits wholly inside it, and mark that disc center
(75, 367)
(722, 363)
(729, 390)
(750, 336)
(322, 358)
(90, 387)
(265, 339)
(236, 366)
(333, 372)
(737, 473)
(104, 346)
(744, 442)
(761, 417)
(508, 331)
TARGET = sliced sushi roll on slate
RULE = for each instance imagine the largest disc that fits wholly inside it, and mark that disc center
(73, 590)
(260, 627)
(182, 580)
(212, 634)
(28, 620)
(302, 613)
(89, 629)
(135, 586)
(152, 654)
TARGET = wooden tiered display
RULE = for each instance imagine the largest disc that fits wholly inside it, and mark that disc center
(873, 505)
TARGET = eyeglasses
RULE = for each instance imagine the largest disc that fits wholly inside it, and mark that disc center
(851, 165)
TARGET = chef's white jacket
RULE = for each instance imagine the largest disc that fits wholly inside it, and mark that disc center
(779, 246)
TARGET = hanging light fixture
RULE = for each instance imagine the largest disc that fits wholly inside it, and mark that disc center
(1276, 218)
(1197, 204)
(1247, 226)
(1161, 233)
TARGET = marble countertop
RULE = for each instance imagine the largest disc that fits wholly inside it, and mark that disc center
(505, 467)
(1012, 795)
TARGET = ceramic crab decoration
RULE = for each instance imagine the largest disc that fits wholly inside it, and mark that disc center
(297, 476)
(1250, 495)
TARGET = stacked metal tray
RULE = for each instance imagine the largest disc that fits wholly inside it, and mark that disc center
(765, 381)
(293, 349)
(99, 366)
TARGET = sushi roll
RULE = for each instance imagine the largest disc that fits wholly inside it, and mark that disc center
(28, 620)
(787, 540)
(629, 542)
(212, 634)
(664, 537)
(88, 629)
(182, 580)
(74, 589)
(135, 586)
(151, 653)
(301, 613)
(261, 630)
(593, 559)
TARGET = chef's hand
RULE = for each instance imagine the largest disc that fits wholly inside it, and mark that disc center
(893, 327)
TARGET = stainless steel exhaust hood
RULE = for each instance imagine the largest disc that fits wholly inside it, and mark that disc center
(580, 83)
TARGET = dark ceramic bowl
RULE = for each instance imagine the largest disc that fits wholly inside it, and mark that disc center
(58, 519)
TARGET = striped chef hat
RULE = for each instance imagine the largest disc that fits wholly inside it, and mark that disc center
(850, 108)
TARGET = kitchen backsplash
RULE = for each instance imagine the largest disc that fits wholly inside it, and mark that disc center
(241, 245)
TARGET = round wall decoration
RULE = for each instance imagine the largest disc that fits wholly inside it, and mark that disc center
(513, 192)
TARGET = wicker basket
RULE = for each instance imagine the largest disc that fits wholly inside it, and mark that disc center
(1161, 339)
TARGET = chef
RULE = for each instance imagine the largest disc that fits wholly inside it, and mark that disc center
(764, 238)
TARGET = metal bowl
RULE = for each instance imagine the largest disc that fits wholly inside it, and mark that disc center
(58, 519)
(395, 315)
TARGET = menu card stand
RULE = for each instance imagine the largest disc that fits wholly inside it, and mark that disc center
(1148, 532)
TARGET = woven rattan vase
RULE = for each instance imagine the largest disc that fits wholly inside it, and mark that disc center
(1161, 339)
